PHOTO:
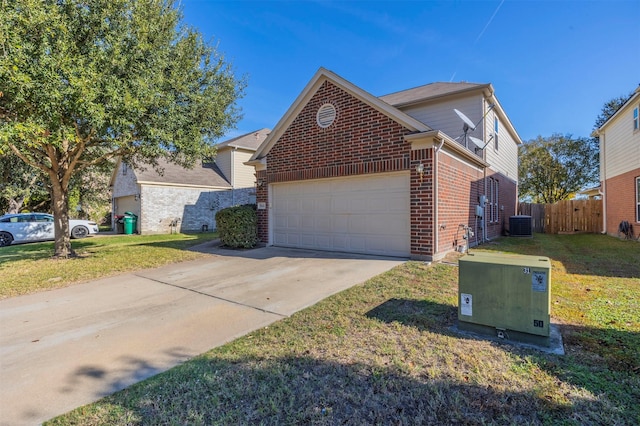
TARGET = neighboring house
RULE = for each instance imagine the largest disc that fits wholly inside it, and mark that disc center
(344, 170)
(620, 166)
(187, 198)
(594, 193)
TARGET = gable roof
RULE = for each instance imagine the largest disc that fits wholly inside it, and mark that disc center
(629, 102)
(430, 91)
(310, 89)
(201, 175)
(250, 141)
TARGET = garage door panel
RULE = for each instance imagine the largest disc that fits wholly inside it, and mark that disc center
(324, 241)
(358, 224)
(322, 205)
(322, 224)
(363, 214)
(340, 205)
(340, 242)
(308, 222)
(340, 223)
(293, 221)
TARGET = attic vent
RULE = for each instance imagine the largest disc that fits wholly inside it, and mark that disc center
(326, 115)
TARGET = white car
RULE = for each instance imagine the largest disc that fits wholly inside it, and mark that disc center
(27, 227)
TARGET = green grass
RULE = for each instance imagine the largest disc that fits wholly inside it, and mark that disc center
(28, 268)
(384, 352)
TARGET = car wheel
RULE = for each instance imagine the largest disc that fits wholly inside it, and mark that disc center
(5, 239)
(79, 232)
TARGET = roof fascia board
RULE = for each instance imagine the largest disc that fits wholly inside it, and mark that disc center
(181, 185)
(310, 89)
(260, 164)
(433, 138)
(436, 98)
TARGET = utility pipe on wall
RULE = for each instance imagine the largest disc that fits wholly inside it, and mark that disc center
(436, 224)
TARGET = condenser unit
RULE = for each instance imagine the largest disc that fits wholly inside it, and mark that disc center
(520, 226)
(505, 295)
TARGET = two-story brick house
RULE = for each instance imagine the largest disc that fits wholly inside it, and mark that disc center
(620, 166)
(395, 175)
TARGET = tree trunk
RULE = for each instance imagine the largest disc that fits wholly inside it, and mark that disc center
(15, 204)
(60, 207)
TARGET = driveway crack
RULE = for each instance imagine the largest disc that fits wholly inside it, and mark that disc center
(213, 297)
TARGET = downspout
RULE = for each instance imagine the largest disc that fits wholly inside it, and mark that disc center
(603, 189)
(483, 221)
(436, 225)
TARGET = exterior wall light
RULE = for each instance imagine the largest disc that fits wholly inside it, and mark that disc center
(420, 170)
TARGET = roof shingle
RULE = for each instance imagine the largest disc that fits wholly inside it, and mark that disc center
(428, 91)
(200, 175)
(250, 141)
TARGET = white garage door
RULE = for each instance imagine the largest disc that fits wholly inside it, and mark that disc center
(362, 214)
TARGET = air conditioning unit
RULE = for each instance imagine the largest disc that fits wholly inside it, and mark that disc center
(520, 226)
(505, 295)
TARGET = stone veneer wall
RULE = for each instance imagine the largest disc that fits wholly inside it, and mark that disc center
(194, 207)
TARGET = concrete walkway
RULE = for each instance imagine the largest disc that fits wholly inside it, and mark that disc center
(65, 348)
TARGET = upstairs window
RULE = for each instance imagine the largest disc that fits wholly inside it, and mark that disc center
(495, 132)
(636, 119)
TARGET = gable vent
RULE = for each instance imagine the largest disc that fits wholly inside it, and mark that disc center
(326, 115)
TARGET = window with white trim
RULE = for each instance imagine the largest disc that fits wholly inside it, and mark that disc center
(493, 211)
(496, 124)
(636, 119)
(496, 208)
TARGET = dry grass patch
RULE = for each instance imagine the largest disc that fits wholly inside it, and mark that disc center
(384, 353)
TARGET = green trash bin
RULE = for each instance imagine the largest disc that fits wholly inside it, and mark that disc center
(130, 223)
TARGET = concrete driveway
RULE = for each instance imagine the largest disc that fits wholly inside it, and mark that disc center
(65, 348)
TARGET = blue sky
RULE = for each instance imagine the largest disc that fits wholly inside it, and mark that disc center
(553, 64)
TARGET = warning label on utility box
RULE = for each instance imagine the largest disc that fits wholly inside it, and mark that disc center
(466, 304)
(539, 281)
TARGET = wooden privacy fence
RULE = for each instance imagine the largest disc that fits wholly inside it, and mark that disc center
(568, 216)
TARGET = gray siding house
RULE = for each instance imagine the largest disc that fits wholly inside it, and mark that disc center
(186, 198)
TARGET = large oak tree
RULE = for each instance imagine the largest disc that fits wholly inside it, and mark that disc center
(84, 81)
(555, 168)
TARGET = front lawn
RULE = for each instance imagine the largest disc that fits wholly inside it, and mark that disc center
(28, 268)
(384, 353)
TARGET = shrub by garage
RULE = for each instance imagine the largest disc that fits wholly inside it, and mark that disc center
(238, 226)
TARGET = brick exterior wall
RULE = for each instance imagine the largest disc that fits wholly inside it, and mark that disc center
(422, 206)
(621, 201)
(361, 141)
(459, 189)
(459, 186)
(262, 195)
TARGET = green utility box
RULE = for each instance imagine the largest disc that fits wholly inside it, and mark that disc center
(505, 295)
